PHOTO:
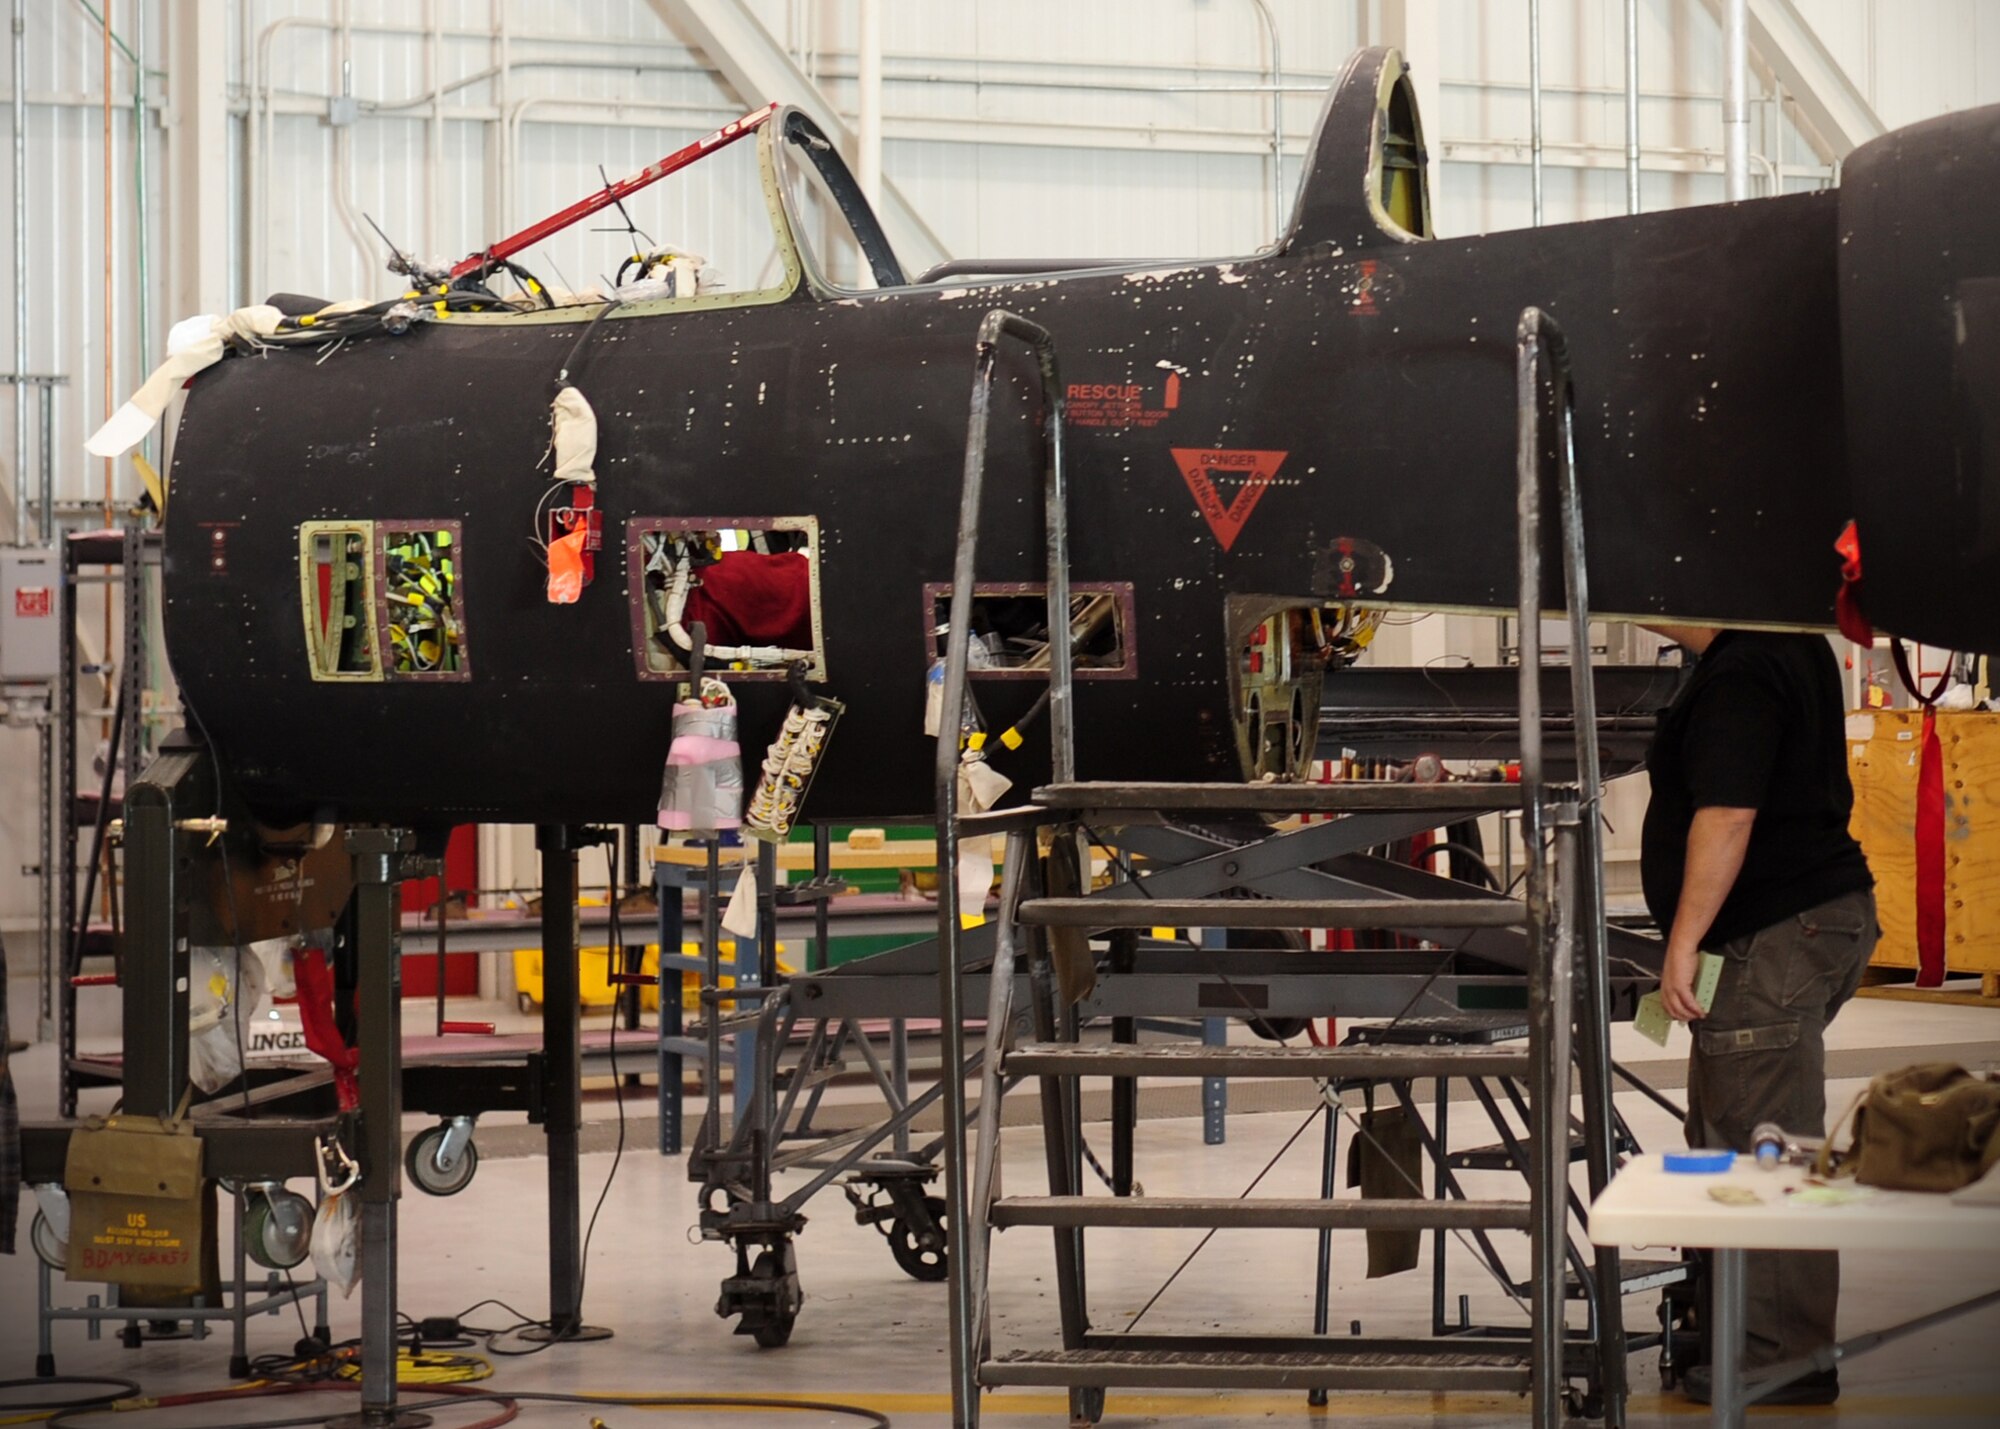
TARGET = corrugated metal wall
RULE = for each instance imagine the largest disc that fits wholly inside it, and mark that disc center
(1016, 127)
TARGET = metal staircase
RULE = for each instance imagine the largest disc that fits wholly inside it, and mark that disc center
(1559, 924)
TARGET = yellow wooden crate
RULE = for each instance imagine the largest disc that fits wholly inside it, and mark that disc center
(1883, 749)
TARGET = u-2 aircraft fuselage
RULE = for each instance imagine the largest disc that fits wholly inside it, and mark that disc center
(1233, 428)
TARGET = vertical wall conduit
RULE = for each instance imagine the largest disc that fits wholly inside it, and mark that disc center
(1736, 100)
(1631, 106)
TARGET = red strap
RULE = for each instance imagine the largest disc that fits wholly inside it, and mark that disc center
(315, 984)
(1930, 825)
(1930, 857)
(1847, 600)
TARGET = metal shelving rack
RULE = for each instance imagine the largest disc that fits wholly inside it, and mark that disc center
(110, 557)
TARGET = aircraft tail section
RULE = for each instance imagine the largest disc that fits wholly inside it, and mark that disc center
(1364, 185)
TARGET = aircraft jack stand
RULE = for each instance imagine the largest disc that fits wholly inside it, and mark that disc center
(382, 858)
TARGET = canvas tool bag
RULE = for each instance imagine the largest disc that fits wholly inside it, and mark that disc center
(137, 1203)
(1930, 1127)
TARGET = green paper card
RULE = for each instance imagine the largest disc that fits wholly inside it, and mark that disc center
(1707, 978)
(1651, 1020)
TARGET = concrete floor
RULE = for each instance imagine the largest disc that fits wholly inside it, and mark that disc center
(871, 1336)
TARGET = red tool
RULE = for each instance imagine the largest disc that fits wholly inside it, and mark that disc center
(580, 515)
(611, 193)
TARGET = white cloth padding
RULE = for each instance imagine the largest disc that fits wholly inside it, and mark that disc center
(575, 436)
(980, 787)
(740, 917)
(336, 1241)
(130, 423)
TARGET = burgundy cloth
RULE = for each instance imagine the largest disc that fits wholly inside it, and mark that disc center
(748, 598)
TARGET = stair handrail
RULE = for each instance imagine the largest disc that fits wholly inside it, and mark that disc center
(996, 325)
(1539, 344)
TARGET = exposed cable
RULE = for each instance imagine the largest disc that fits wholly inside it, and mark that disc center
(123, 1388)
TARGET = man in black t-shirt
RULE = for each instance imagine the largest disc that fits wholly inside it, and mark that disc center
(1746, 853)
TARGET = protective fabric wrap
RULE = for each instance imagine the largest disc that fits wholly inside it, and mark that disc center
(701, 791)
(573, 433)
(980, 787)
(128, 426)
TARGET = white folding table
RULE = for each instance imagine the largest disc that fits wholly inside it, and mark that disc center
(1647, 1205)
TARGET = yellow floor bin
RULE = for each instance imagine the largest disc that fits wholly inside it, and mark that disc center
(594, 981)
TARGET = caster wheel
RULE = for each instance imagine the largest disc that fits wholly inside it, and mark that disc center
(524, 1002)
(1583, 1404)
(420, 1161)
(917, 1262)
(772, 1330)
(773, 1334)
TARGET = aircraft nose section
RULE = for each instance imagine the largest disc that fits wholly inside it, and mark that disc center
(1920, 349)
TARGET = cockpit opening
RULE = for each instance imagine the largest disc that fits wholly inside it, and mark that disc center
(752, 584)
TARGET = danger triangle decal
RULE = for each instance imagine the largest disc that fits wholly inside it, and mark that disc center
(1201, 466)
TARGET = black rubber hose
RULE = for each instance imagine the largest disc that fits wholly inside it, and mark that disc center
(126, 1389)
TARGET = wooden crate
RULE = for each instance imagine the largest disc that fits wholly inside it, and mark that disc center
(1883, 747)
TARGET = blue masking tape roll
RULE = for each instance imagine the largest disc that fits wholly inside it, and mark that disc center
(1698, 1163)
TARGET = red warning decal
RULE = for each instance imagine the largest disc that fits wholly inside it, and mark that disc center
(1122, 404)
(1201, 469)
(32, 601)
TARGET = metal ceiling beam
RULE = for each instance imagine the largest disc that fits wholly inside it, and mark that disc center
(753, 64)
(1830, 105)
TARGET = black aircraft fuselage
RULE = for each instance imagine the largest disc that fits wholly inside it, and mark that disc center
(1234, 427)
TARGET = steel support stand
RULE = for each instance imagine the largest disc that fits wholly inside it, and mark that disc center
(821, 957)
(1726, 1339)
(562, 1084)
(379, 865)
(631, 955)
(158, 887)
(1124, 948)
(562, 1069)
(669, 891)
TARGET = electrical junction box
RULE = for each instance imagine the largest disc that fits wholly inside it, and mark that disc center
(30, 612)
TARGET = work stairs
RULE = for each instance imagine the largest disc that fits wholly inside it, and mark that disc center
(1089, 1362)
(1048, 916)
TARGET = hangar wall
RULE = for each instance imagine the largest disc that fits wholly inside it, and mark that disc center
(1030, 127)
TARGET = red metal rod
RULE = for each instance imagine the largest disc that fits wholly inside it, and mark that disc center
(465, 1029)
(612, 193)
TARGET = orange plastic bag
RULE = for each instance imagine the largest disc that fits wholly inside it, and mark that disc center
(566, 567)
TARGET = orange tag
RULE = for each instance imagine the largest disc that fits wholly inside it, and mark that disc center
(566, 567)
